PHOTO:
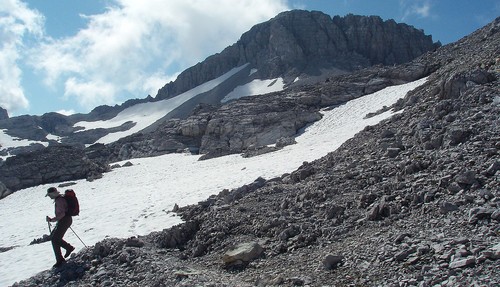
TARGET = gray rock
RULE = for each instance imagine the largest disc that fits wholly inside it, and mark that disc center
(446, 207)
(479, 213)
(134, 242)
(462, 263)
(454, 188)
(495, 215)
(52, 164)
(402, 255)
(3, 114)
(127, 164)
(4, 191)
(457, 135)
(493, 168)
(467, 177)
(378, 211)
(393, 152)
(242, 254)
(332, 261)
(284, 141)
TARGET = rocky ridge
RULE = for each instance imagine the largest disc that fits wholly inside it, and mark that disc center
(302, 43)
(412, 201)
(53, 164)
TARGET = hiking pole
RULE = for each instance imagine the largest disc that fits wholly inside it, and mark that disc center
(78, 237)
(50, 230)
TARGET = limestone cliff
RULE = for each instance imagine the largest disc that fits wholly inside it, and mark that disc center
(302, 42)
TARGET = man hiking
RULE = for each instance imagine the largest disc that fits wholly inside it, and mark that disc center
(63, 223)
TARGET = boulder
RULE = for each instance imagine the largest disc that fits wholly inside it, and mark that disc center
(332, 261)
(462, 263)
(4, 191)
(242, 254)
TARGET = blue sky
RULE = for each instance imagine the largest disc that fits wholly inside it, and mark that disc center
(71, 56)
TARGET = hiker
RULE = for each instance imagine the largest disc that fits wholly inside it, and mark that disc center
(63, 223)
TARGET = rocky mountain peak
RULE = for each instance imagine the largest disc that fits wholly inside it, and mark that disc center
(298, 42)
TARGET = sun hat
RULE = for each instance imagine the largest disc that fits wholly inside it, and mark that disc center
(52, 190)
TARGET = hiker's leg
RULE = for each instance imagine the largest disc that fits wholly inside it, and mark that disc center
(56, 243)
(57, 237)
(66, 224)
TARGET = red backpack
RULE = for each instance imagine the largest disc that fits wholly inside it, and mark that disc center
(73, 205)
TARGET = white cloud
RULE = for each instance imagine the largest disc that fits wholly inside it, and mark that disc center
(16, 22)
(90, 93)
(135, 44)
(419, 8)
(155, 81)
(423, 10)
(66, 112)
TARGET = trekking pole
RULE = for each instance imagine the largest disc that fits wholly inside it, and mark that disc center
(78, 237)
(50, 229)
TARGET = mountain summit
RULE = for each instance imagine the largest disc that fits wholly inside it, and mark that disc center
(302, 44)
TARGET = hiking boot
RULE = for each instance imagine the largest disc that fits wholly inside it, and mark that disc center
(68, 251)
(59, 263)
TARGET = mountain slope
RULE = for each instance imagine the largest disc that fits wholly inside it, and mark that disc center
(135, 199)
(411, 201)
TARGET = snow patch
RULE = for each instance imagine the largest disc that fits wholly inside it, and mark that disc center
(53, 137)
(255, 87)
(7, 141)
(145, 114)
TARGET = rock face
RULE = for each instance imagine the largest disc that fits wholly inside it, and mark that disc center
(3, 114)
(302, 42)
(53, 164)
(253, 123)
(4, 191)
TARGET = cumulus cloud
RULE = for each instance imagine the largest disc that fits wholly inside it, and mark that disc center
(90, 92)
(135, 47)
(16, 22)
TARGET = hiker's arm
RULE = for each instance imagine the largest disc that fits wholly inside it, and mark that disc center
(61, 208)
